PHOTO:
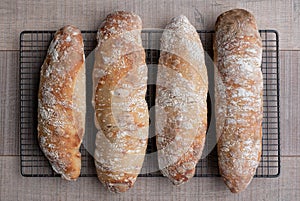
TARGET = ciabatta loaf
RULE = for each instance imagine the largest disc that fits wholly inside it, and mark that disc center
(181, 108)
(239, 97)
(121, 112)
(61, 102)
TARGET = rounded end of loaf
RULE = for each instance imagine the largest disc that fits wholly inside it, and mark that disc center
(70, 30)
(118, 187)
(73, 172)
(237, 172)
(119, 22)
(178, 179)
(237, 21)
(73, 176)
(236, 182)
(116, 182)
(67, 39)
(180, 19)
(184, 169)
(180, 22)
(70, 170)
(235, 186)
(69, 36)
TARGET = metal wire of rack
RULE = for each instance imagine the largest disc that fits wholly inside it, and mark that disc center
(33, 48)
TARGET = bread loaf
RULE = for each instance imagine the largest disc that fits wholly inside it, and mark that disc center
(181, 108)
(121, 112)
(238, 96)
(61, 102)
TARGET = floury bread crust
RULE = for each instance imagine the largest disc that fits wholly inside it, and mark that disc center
(239, 97)
(61, 102)
(181, 108)
(121, 112)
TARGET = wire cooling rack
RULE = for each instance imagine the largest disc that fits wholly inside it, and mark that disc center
(33, 48)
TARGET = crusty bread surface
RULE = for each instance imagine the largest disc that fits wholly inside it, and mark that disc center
(121, 112)
(61, 102)
(238, 97)
(181, 107)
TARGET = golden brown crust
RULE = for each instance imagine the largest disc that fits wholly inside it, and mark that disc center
(181, 109)
(238, 92)
(61, 102)
(120, 83)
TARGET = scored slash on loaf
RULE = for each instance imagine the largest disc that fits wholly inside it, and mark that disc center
(181, 108)
(238, 96)
(61, 102)
(121, 112)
